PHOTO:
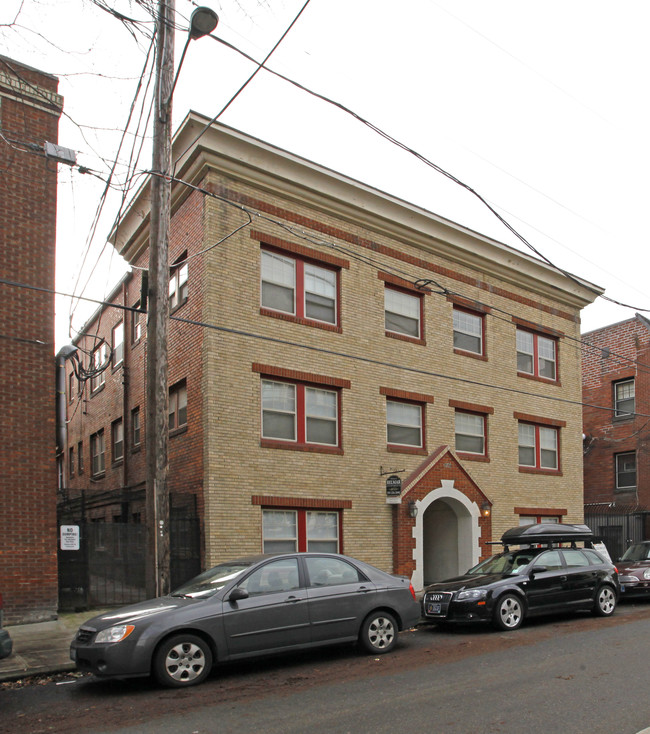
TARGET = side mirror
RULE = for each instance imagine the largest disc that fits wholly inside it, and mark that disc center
(538, 569)
(238, 594)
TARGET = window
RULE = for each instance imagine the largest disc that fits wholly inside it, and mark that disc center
(71, 386)
(136, 324)
(71, 461)
(534, 519)
(286, 531)
(117, 439)
(404, 424)
(299, 413)
(178, 405)
(326, 571)
(626, 470)
(117, 343)
(97, 453)
(273, 577)
(470, 432)
(178, 287)
(468, 331)
(298, 287)
(99, 365)
(536, 355)
(80, 457)
(624, 398)
(538, 446)
(135, 427)
(402, 313)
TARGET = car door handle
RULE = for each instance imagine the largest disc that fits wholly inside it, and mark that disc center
(291, 600)
(563, 578)
(365, 589)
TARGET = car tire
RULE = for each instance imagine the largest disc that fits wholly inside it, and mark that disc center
(508, 613)
(605, 602)
(181, 661)
(378, 633)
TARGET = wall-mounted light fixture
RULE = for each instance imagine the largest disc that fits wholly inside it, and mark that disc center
(486, 509)
(413, 509)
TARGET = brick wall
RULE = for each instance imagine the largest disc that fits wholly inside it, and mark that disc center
(29, 114)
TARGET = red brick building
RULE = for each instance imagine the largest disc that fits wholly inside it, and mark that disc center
(616, 417)
(324, 338)
(29, 115)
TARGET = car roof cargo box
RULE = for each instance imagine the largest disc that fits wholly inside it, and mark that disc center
(546, 533)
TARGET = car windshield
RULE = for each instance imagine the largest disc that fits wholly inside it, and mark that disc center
(638, 552)
(209, 582)
(505, 563)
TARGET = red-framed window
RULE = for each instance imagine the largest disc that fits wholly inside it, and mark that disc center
(537, 355)
(624, 398)
(300, 287)
(403, 313)
(291, 530)
(303, 414)
(539, 447)
(471, 432)
(469, 331)
(405, 424)
(625, 470)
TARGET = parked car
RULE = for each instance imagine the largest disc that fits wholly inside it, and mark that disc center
(538, 578)
(6, 644)
(634, 570)
(245, 608)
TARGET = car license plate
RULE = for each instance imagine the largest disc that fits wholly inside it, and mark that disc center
(433, 608)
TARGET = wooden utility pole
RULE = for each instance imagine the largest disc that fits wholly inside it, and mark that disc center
(157, 392)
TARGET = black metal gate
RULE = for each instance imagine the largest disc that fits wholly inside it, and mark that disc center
(109, 567)
(619, 527)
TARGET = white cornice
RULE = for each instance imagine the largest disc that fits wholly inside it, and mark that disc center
(279, 172)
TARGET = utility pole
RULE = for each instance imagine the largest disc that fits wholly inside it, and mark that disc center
(157, 393)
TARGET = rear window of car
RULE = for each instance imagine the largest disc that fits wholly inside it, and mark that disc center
(576, 558)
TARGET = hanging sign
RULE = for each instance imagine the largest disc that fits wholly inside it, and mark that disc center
(393, 490)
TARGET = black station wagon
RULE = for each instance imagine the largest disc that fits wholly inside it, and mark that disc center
(548, 574)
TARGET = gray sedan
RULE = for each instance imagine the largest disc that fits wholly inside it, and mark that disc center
(247, 607)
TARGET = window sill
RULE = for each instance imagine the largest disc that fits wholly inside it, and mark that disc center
(178, 305)
(178, 431)
(472, 355)
(465, 456)
(537, 378)
(300, 320)
(98, 477)
(136, 449)
(405, 338)
(413, 451)
(97, 390)
(267, 443)
(117, 462)
(536, 470)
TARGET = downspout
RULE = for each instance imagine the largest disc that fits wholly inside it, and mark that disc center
(60, 408)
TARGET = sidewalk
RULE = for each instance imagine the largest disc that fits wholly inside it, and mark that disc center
(43, 647)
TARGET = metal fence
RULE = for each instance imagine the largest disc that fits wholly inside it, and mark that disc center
(618, 527)
(109, 567)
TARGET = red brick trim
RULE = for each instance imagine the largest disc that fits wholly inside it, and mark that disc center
(344, 236)
(392, 449)
(537, 327)
(535, 470)
(540, 511)
(473, 355)
(296, 375)
(301, 250)
(528, 418)
(472, 407)
(401, 283)
(469, 305)
(273, 501)
(309, 448)
(298, 320)
(405, 338)
(473, 457)
(537, 378)
(416, 397)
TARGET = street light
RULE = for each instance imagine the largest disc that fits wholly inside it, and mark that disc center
(203, 21)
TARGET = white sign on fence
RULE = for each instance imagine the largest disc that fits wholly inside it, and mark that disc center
(69, 537)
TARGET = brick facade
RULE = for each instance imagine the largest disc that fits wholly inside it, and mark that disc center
(618, 352)
(372, 242)
(29, 114)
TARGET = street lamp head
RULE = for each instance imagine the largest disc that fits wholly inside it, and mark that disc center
(202, 22)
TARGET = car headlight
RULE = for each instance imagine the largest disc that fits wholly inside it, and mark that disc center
(646, 574)
(115, 634)
(471, 594)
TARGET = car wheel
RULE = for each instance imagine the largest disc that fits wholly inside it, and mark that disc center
(509, 613)
(378, 633)
(605, 603)
(183, 660)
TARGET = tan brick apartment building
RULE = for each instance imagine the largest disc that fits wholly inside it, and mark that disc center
(616, 392)
(323, 337)
(29, 116)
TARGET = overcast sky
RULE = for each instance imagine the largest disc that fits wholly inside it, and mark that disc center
(541, 107)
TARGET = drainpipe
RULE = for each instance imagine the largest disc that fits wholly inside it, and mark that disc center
(61, 424)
